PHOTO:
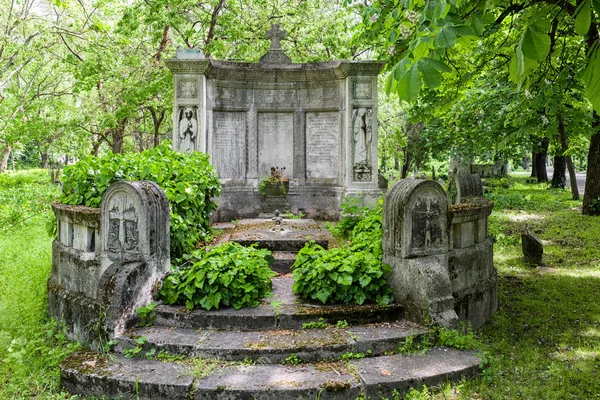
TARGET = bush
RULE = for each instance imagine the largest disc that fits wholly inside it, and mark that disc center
(229, 274)
(189, 181)
(353, 273)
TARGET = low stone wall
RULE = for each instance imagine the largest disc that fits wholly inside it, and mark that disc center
(441, 255)
(470, 263)
(106, 261)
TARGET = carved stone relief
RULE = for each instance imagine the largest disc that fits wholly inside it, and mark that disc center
(123, 234)
(187, 128)
(362, 136)
(187, 88)
(363, 90)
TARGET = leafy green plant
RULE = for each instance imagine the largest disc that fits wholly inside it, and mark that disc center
(140, 342)
(352, 356)
(229, 274)
(320, 324)
(353, 273)
(275, 182)
(342, 324)
(189, 181)
(595, 207)
(147, 317)
(292, 360)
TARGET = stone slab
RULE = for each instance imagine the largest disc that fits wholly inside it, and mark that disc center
(292, 236)
(381, 375)
(91, 373)
(376, 339)
(274, 382)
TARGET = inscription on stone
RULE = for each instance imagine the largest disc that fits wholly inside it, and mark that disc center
(123, 234)
(187, 88)
(362, 90)
(322, 144)
(228, 148)
(275, 142)
(426, 224)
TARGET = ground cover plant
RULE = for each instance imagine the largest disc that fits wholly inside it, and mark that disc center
(229, 274)
(189, 181)
(352, 273)
(31, 346)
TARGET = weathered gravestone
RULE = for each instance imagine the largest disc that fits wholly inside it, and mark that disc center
(532, 247)
(464, 188)
(105, 262)
(315, 121)
(441, 256)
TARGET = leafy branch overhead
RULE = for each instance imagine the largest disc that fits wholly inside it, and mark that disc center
(421, 38)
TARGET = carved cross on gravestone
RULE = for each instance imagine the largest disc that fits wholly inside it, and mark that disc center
(275, 35)
(424, 218)
(122, 231)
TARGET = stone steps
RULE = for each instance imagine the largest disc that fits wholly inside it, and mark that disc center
(282, 311)
(89, 373)
(271, 347)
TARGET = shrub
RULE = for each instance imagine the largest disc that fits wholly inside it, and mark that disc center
(353, 273)
(189, 181)
(229, 274)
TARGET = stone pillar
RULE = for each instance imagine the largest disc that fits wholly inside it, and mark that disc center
(415, 245)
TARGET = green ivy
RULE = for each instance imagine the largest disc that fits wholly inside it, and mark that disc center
(229, 274)
(350, 274)
(189, 181)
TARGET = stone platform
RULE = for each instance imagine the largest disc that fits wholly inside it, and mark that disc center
(267, 352)
(284, 242)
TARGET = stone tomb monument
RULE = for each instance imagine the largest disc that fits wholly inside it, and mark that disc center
(441, 256)
(316, 120)
(106, 261)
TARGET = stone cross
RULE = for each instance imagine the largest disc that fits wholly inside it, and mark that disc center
(275, 35)
(123, 231)
(427, 215)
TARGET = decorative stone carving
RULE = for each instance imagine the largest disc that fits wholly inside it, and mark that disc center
(188, 128)
(187, 88)
(363, 135)
(275, 55)
(363, 90)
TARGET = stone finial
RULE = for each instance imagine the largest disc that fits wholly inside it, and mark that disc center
(275, 55)
(275, 35)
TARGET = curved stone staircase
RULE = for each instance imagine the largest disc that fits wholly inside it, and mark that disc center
(267, 352)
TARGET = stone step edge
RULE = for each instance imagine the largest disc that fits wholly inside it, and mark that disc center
(271, 347)
(270, 316)
(88, 373)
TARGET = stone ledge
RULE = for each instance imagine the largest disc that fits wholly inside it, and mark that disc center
(89, 373)
(80, 215)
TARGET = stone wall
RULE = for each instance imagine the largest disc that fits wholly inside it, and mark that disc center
(106, 261)
(317, 121)
(441, 255)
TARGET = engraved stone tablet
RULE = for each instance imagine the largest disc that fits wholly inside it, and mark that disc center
(322, 144)
(228, 148)
(276, 142)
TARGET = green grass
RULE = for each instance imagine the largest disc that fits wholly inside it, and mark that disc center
(544, 342)
(31, 346)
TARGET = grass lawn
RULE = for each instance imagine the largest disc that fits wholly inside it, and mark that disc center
(544, 342)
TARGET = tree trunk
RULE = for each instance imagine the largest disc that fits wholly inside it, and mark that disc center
(540, 160)
(406, 165)
(559, 178)
(118, 137)
(526, 162)
(4, 156)
(533, 168)
(591, 196)
(563, 146)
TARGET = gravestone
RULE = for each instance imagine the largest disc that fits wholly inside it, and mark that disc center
(134, 254)
(316, 120)
(105, 262)
(464, 188)
(532, 247)
(441, 255)
(415, 245)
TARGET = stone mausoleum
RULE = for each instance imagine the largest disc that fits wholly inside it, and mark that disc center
(315, 122)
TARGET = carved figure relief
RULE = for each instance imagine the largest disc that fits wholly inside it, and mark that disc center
(123, 231)
(188, 128)
(426, 229)
(362, 137)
